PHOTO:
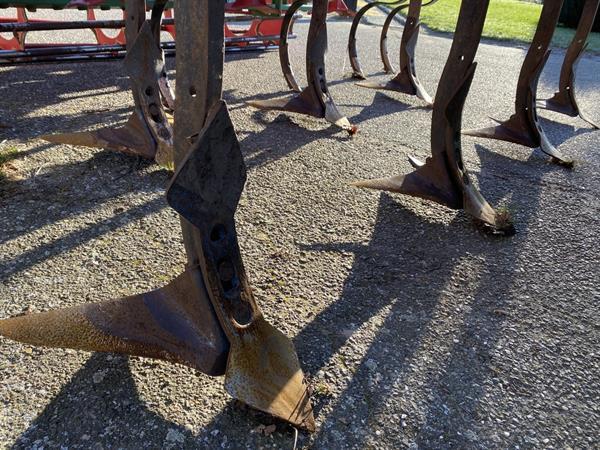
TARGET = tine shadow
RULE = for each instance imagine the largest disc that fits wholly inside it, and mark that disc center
(382, 105)
(71, 189)
(87, 412)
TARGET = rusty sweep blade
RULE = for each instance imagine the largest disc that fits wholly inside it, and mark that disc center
(315, 99)
(442, 177)
(176, 323)
(565, 100)
(524, 127)
(262, 369)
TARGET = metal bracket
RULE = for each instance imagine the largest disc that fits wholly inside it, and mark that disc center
(524, 126)
(565, 100)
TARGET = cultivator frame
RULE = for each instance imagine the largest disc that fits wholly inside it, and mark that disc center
(207, 318)
(261, 33)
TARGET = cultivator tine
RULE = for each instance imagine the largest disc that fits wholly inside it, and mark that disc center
(443, 177)
(148, 132)
(406, 81)
(284, 54)
(262, 368)
(166, 92)
(357, 71)
(388, 67)
(565, 100)
(315, 99)
(176, 323)
(206, 318)
(524, 126)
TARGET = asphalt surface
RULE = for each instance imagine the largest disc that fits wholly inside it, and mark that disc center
(416, 329)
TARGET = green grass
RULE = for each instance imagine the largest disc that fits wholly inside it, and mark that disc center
(510, 20)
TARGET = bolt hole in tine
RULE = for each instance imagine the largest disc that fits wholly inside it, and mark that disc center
(149, 91)
(154, 113)
(193, 92)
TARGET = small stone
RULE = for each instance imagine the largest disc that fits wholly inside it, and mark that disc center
(270, 429)
(98, 377)
(175, 436)
(371, 365)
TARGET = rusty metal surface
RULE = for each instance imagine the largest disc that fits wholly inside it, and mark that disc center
(175, 323)
(148, 132)
(284, 55)
(443, 178)
(315, 99)
(262, 369)
(524, 127)
(406, 81)
(565, 100)
(357, 71)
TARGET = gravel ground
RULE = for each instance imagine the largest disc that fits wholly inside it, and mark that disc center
(416, 329)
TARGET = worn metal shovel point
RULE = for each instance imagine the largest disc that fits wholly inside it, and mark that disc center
(263, 370)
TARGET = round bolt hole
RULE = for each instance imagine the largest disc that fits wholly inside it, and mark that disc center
(193, 92)
(149, 91)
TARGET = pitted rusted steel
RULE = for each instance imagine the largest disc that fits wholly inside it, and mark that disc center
(406, 81)
(565, 100)
(443, 178)
(166, 92)
(176, 323)
(524, 126)
(357, 71)
(315, 99)
(207, 318)
(148, 132)
(262, 368)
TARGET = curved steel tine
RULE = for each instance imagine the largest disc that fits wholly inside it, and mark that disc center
(352, 51)
(383, 48)
(565, 100)
(443, 178)
(388, 67)
(406, 81)
(523, 127)
(166, 92)
(284, 55)
(262, 367)
(315, 99)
